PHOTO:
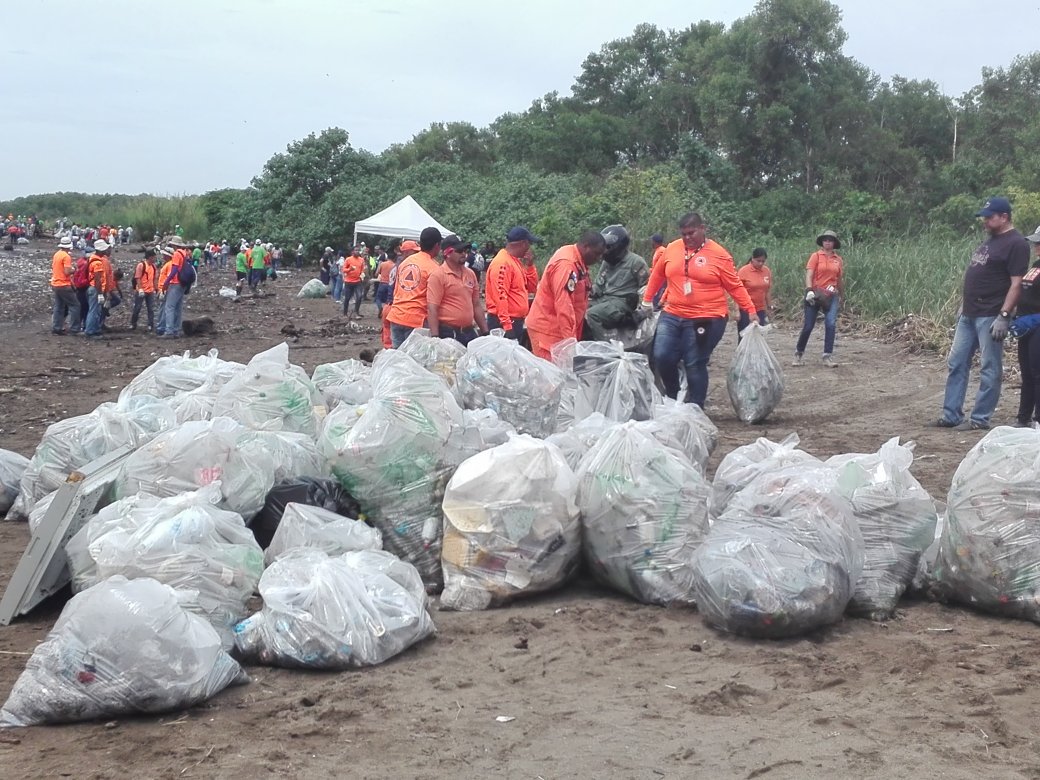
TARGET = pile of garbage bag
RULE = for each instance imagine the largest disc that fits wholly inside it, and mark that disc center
(618, 384)
(497, 373)
(481, 430)
(313, 289)
(312, 526)
(313, 491)
(74, 442)
(12, 468)
(184, 541)
(396, 457)
(740, 467)
(438, 356)
(783, 559)
(896, 517)
(320, 612)
(247, 463)
(272, 394)
(644, 511)
(990, 545)
(122, 647)
(347, 382)
(511, 525)
(755, 380)
(576, 442)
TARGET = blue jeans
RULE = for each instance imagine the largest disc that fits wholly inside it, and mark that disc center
(172, 312)
(337, 287)
(517, 331)
(972, 334)
(94, 315)
(678, 340)
(148, 300)
(830, 326)
(398, 333)
(383, 295)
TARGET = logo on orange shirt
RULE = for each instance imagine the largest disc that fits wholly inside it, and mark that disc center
(409, 277)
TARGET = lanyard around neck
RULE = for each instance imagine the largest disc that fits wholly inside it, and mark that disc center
(689, 254)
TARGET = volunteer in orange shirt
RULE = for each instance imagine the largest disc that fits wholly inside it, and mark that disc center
(353, 281)
(699, 274)
(145, 285)
(384, 292)
(405, 250)
(453, 296)
(171, 291)
(758, 281)
(408, 311)
(824, 289)
(65, 300)
(511, 278)
(558, 310)
(100, 273)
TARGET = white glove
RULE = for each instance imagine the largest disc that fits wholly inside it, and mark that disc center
(646, 305)
(810, 297)
(140, 295)
(101, 298)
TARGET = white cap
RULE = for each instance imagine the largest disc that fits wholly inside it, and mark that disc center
(1035, 238)
(100, 245)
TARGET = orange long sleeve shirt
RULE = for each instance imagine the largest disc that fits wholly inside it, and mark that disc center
(562, 298)
(507, 286)
(697, 282)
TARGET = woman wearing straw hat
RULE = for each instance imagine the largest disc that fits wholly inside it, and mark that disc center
(824, 289)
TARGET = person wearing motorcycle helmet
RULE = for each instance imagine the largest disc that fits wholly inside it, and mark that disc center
(614, 300)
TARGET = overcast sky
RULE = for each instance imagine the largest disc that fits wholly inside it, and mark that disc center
(184, 96)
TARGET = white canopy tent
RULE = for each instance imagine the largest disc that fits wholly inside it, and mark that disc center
(404, 219)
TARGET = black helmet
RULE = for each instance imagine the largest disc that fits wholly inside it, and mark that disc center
(617, 239)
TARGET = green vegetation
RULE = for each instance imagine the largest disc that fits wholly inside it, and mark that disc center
(763, 126)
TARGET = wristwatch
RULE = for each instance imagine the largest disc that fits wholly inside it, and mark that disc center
(1006, 315)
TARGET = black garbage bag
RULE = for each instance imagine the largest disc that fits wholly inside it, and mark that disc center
(325, 493)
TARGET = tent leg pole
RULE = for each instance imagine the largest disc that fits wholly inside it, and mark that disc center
(355, 241)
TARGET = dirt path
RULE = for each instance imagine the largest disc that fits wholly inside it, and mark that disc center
(607, 687)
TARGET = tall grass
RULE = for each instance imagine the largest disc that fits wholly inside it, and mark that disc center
(152, 214)
(908, 283)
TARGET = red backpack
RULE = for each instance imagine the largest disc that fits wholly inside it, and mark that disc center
(81, 276)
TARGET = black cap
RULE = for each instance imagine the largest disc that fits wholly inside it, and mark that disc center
(657, 238)
(454, 242)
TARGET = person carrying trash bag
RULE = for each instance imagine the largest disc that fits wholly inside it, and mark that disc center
(699, 274)
(614, 299)
(824, 290)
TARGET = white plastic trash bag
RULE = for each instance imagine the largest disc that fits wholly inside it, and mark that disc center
(183, 541)
(123, 647)
(896, 517)
(990, 546)
(497, 373)
(511, 525)
(684, 416)
(271, 393)
(618, 384)
(175, 374)
(311, 526)
(783, 559)
(755, 380)
(740, 467)
(396, 455)
(320, 612)
(481, 430)
(12, 467)
(438, 356)
(74, 442)
(247, 463)
(644, 510)
(348, 381)
(313, 289)
(675, 426)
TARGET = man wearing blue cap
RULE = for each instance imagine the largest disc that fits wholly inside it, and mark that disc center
(511, 280)
(992, 284)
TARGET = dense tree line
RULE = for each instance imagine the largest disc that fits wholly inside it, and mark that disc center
(764, 125)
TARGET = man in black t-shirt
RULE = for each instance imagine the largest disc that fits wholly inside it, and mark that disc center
(991, 288)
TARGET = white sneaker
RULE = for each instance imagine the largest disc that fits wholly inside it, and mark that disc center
(829, 362)
(798, 359)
